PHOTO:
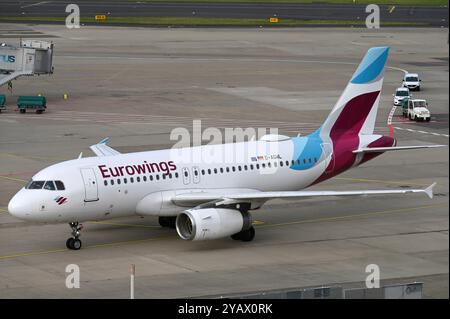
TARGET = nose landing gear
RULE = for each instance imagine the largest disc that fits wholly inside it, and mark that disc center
(74, 243)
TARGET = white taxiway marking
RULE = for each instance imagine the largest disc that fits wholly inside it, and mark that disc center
(35, 4)
(422, 132)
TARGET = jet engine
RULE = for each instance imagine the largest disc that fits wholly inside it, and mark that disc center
(213, 223)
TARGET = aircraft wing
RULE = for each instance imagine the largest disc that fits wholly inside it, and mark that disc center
(102, 149)
(235, 197)
(393, 148)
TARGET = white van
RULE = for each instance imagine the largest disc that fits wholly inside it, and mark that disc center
(412, 81)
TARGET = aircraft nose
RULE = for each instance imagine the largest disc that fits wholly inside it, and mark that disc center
(18, 206)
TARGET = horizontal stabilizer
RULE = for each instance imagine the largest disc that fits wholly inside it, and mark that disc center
(393, 148)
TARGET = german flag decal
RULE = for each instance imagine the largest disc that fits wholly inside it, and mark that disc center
(61, 200)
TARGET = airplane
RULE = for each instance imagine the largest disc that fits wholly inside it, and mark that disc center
(211, 200)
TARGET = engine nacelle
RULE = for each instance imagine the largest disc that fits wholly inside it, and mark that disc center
(211, 223)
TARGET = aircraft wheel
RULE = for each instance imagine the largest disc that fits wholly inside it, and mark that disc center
(245, 235)
(248, 235)
(73, 244)
(69, 243)
(167, 221)
(76, 244)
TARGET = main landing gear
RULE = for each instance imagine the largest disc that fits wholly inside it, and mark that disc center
(74, 243)
(245, 235)
(167, 221)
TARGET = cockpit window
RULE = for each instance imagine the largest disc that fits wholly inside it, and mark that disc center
(60, 185)
(35, 185)
(49, 185)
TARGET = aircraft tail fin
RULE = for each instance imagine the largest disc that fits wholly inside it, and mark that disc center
(356, 110)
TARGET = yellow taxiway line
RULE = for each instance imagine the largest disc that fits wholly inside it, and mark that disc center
(317, 220)
(14, 179)
(357, 216)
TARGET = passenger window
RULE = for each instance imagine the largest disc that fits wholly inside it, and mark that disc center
(59, 185)
(304, 161)
(215, 171)
(309, 160)
(257, 166)
(209, 171)
(150, 177)
(263, 165)
(228, 169)
(49, 185)
(281, 163)
(268, 164)
(170, 175)
(138, 179)
(144, 178)
(157, 177)
(221, 170)
(185, 173)
(118, 181)
(203, 172)
(245, 167)
(124, 180)
(112, 182)
(176, 175)
(105, 182)
(131, 180)
(287, 163)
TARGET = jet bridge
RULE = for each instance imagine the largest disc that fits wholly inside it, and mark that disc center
(30, 58)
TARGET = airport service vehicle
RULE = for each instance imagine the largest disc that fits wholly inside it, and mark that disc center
(214, 198)
(412, 81)
(401, 94)
(2, 102)
(416, 109)
(36, 103)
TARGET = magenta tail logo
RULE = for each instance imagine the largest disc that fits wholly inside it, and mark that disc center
(61, 200)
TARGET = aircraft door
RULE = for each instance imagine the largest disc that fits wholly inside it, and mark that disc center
(90, 185)
(196, 174)
(186, 176)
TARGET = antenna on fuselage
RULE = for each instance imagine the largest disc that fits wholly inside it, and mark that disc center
(81, 155)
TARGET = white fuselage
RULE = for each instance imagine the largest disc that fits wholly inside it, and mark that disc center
(93, 193)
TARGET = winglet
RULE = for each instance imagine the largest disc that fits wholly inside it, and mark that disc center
(429, 190)
(104, 141)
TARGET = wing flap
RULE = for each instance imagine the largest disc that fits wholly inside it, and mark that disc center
(241, 197)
